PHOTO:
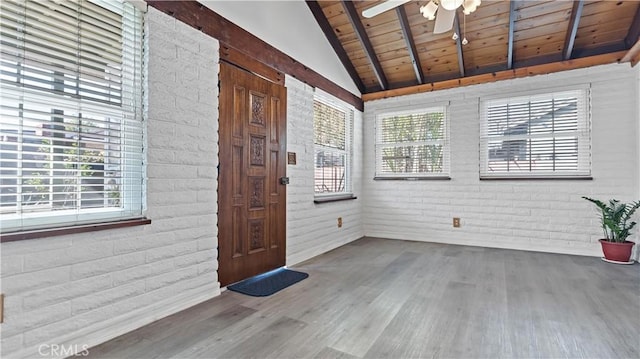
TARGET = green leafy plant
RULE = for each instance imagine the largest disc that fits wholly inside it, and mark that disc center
(616, 218)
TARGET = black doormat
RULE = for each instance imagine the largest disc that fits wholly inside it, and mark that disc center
(268, 283)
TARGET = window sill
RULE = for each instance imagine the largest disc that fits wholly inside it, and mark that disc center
(327, 199)
(538, 178)
(83, 228)
(416, 178)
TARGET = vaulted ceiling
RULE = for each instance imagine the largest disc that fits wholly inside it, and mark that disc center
(398, 49)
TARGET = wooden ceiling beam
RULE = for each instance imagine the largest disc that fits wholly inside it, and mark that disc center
(574, 21)
(538, 60)
(211, 23)
(233, 56)
(633, 55)
(361, 33)
(456, 28)
(512, 20)
(331, 36)
(606, 58)
(614, 47)
(486, 69)
(411, 44)
(634, 31)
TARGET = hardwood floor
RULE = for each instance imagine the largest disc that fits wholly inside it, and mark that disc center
(377, 298)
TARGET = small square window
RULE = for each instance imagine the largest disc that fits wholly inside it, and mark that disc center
(413, 143)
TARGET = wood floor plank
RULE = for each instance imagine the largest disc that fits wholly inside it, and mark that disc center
(360, 329)
(143, 342)
(377, 298)
(266, 341)
(330, 353)
(216, 343)
(326, 318)
(487, 335)
(191, 336)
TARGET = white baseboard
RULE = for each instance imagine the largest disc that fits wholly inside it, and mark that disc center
(559, 247)
(101, 332)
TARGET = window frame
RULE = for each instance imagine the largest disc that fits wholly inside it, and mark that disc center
(583, 132)
(349, 119)
(18, 225)
(446, 143)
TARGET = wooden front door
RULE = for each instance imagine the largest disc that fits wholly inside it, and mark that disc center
(251, 199)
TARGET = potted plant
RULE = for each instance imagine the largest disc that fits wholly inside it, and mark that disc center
(616, 225)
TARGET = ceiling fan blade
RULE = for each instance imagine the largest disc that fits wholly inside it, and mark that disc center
(382, 7)
(444, 20)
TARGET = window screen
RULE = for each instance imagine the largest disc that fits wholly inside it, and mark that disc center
(540, 135)
(412, 144)
(70, 121)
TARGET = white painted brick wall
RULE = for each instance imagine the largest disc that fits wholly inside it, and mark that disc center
(312, 228)
(88, 288)
(533, 215)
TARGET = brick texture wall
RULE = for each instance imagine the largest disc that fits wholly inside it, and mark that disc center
(534, 215)
(87, 288)
(312, 228)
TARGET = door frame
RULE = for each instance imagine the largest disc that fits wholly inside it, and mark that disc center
(272, 231)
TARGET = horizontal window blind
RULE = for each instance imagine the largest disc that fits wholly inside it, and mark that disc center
(332, 128)
(412, 144)
(71, 130)
(538, 135)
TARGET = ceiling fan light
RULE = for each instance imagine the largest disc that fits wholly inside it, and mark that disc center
(451, 4)
(471, 3)
(469, 10)
(470, 6)
(429, 10)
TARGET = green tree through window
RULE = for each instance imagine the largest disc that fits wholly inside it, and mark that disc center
(412, 143)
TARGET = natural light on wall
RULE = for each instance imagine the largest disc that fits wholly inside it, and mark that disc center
(71, 126)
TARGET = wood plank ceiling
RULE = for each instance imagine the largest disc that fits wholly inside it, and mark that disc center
(398, 48)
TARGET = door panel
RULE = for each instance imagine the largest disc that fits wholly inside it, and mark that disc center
(251, 200)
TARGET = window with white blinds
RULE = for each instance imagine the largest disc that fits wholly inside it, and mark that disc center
(71, 130)
(413, 144)
(332, 133)
(542, 135)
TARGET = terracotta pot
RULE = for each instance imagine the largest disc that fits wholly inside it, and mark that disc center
(619, 252)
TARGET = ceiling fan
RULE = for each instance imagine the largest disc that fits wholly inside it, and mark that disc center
(444, 9)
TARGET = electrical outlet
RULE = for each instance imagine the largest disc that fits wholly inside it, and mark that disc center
(339, 222)
(456, 222)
